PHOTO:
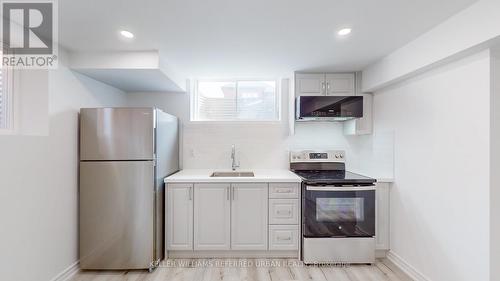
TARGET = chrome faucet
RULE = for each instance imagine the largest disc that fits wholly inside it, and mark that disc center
(233, 158)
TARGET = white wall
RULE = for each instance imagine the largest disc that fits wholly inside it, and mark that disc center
(261, 146)
(474, 27)
(494, 168)
(32, 91)
(440, 199)
(38, 181)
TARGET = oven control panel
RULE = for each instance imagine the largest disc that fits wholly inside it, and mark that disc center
(317, 156)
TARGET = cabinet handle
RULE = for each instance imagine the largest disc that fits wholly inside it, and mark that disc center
(190, 193)
(284, 238)
(227, 192)
(233, 192)
(323, 88)
(327, 87)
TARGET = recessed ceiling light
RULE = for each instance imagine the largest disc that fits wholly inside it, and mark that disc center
(127, 34)
(344, 31)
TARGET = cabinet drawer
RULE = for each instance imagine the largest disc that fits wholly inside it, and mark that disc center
(283, 211)
(283, 237)
(283, 190)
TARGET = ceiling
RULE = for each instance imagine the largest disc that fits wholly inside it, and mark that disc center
(252, 38)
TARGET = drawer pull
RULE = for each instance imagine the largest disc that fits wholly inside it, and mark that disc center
(288, 238)
(283, 190)
(284, 212)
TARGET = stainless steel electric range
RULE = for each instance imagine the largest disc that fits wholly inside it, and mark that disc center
(338, 209)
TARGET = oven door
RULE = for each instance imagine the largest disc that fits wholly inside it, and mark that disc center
(338, 211)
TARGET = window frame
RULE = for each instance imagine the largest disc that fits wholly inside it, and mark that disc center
(8, 85)
(194, 102)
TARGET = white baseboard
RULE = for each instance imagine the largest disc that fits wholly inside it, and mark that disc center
(67, 273)
(406, 267)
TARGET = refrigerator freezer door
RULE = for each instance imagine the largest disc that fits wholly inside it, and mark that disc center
(116, 214)
(117, 133)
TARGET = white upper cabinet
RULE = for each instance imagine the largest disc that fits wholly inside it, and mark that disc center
(321, 84)
(340, 84)
(212, 216)
(179, 217)
(249, 216)
(310, 84)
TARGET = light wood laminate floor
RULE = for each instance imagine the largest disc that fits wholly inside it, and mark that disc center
(249, 270)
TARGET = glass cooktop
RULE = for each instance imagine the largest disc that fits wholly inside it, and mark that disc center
(333, 177)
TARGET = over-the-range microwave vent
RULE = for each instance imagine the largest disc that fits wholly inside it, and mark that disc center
(328, 108)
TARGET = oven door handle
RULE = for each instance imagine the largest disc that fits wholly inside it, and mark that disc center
(339, 188)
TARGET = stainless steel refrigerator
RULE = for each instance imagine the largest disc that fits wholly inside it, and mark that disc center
(124, 155)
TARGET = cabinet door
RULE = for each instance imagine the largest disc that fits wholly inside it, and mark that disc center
(382, 217)
(249, 216)
(212, 216)
(179, 217)
(310, 84)
(340, 84)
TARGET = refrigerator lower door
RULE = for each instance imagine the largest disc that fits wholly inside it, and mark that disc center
(117, 206)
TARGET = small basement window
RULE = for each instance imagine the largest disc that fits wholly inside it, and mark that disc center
(235, 100)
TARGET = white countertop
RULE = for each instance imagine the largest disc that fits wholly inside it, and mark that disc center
(203, 175)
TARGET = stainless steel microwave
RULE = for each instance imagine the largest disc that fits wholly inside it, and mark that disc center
(328, 108)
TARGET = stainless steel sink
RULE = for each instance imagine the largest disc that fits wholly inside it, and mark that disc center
(233, 174)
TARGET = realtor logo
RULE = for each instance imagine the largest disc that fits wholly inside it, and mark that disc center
(29, 33)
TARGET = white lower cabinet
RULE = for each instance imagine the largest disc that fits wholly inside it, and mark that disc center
(218, 217)
(212, 217)
(249, 216)
(179, 216)
(382, 228)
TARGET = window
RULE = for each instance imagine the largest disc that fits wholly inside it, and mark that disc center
(5, 99)
(235, 100)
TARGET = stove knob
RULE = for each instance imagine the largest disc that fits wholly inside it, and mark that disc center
(337, 156)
